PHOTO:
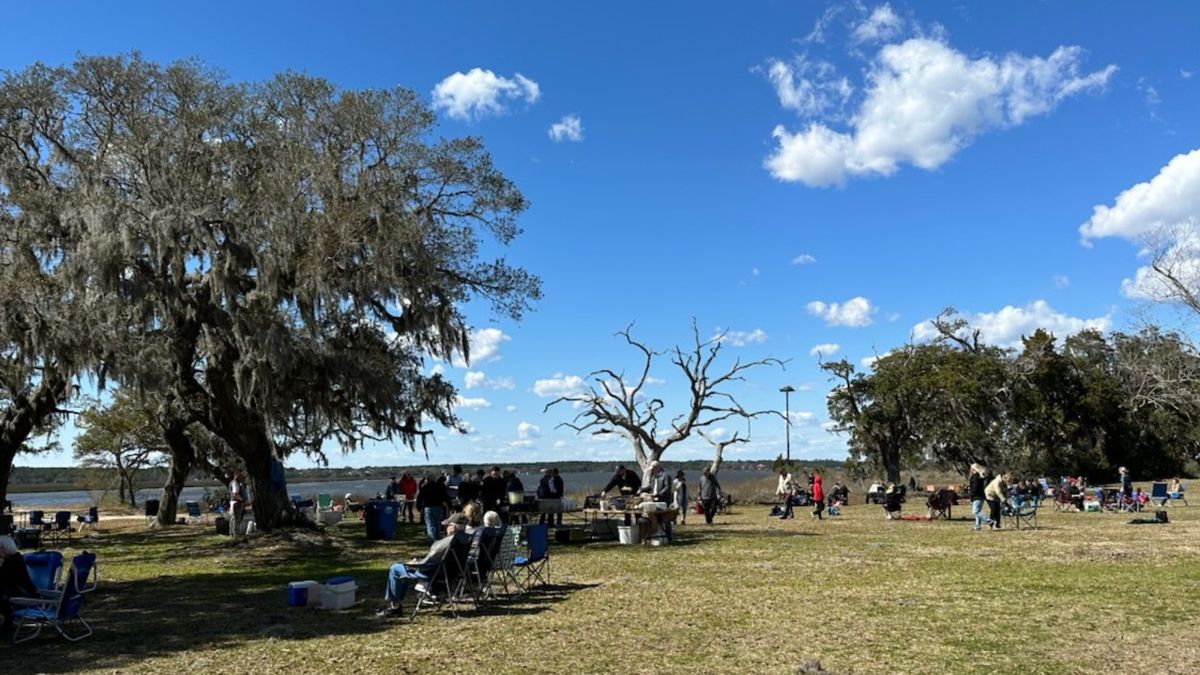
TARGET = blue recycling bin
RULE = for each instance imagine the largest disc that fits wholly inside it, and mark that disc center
(381, 519)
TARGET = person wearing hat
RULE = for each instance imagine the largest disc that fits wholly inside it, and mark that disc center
(624, 480)
(403, 575)
(393, 489)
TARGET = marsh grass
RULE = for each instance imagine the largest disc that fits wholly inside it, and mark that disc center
(1086, 592)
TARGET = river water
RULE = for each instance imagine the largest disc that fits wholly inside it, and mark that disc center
(575, 483)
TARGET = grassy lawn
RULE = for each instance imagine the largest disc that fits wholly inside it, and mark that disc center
(1084, 593)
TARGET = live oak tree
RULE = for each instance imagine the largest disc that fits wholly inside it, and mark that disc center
(280, 257)
(617, 404)
(123, 438)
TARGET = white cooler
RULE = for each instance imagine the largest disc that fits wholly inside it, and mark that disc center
(338, 592)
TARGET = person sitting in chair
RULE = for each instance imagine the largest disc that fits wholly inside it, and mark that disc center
(891, 502)
(14, 582)
(402, 575)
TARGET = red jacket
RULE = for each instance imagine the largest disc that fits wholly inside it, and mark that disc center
(408, 486)
(818, 494)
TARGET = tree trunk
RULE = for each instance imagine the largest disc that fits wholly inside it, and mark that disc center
(183, 456)
(270, 499)
(891, 464)
(18, 421)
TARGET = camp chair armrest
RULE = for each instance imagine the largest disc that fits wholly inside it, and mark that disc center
(32, 602)
(49, 594)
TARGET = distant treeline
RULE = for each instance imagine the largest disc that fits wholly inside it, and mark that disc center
(50, 478)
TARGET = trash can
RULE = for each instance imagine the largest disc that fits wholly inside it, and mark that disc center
(629, 534)
(381, 519)
(222, 525)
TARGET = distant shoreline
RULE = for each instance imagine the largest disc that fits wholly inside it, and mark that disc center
(378, 472)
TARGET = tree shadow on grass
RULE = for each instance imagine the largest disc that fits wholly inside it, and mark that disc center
(177, 609)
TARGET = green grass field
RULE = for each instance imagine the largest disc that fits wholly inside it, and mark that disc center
(1084, 593)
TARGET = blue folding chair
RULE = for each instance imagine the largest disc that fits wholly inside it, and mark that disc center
(194, 514)
(58, 609)
(536, 562)
(45, 569)
(1158, 494)
(86, 572)
(90, 519)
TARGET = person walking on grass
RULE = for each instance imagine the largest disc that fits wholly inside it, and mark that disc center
(818, 497)
(976, 490)
(710, 494)
(996, 492)
(680, 490)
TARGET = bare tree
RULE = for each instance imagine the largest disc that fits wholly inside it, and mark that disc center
(614, 404)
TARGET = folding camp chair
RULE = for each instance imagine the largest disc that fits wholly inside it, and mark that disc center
(194, 514)
(45, 569)
(1064, 501)
(37, 520)
(58, 609)
(89, 519)
(1022, 510)
(324, 502)
(941, 503)
(1178, 496)
(86, 574)
(503, 565)
(1158, 494)
(446, 586)
(536, 561)
(151, 506)
(480, 562)
(60, 528)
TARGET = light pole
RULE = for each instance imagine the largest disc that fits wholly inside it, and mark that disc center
(787, 418)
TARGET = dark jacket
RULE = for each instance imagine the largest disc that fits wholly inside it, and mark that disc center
(556, 487)
(14, 578)
(492, 491)
(978, 483)
(515, 484)
(468, 491)
(432, 494)
(710, 487)
(629, 481)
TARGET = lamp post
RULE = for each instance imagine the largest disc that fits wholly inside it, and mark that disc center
(787, 418)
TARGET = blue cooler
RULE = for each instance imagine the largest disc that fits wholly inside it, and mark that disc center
(304, 594)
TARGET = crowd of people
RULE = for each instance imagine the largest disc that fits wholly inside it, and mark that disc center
(792, 493)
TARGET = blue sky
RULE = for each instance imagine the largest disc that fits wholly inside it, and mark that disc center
(803, 175)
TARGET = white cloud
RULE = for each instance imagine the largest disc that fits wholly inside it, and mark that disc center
(527, 430)
(883, 24)
(480, 93)
(1169, 199)
(560, 385)
(1186, 74)
(471, 403)
(1181, 257)
(559, 445)
(569, 128)
(754, 271)
(477, 379)
(741, 338)
(827, 349)
(1006, 326)
(808, 88)
(1060, 280)
(510, 408)
(868, 361)
(924, 101)
(855, 312)
(485, 346)
(803, 259)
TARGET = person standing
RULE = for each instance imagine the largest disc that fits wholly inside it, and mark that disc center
(452, 482)
(783, 489)
(393, 489)
(657, 486)
(493, 490)
(996, 492)
(1126, 485)
(679, 487)
(710, 494)
(432, 500)
(556, 492)
(976, 490)
(238, 496)
(408, 489)
(818, 497)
